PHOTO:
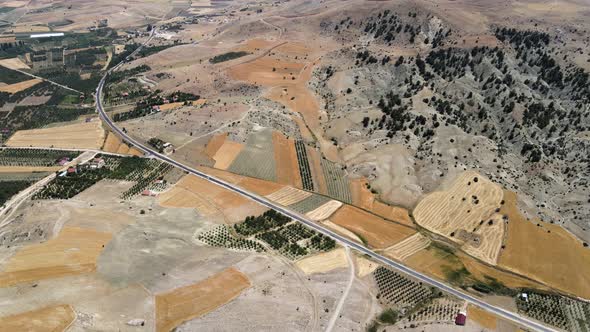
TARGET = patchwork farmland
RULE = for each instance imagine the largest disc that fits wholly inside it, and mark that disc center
(257, 158)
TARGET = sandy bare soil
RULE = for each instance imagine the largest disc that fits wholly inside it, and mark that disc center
(192, 301)
(88, 135)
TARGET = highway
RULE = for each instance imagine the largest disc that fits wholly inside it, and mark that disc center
(506, 314)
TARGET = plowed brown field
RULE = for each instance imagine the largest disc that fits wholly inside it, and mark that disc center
(287, 166)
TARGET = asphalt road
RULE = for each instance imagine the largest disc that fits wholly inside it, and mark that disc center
(506, 314)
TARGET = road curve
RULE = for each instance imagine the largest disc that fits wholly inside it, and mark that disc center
(506, 314)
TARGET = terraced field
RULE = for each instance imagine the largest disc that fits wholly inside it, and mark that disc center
(336, 181)
(310, 203)
(256, 159)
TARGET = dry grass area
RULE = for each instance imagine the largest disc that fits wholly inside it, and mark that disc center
(365, 199)
(544, 252)
(86, 135)
(287, 166)
(226, 154)
(324, 211)
(16, 87)
(373, 230)
(73, 251)
(493, 235)
(364, 266)
(53, 318)
(195, 300)
(214, 144)
(14, 63)
(288, 195)
(482, 317)
(462, 206)
(323, 262)
(407, 247)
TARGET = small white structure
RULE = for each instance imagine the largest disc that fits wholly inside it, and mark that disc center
(47, 35)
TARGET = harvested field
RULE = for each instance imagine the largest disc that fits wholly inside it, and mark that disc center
(488, 250)
(342, 231)
(53, 318)
(226, 154)
(288, 195)
(462, 206)
(324, 262)
(233, 206)
(185, 303)
(257, 158)
(170, 106)
(73, 251)
(309, 204)
(373, 230)
(87, 135)
(324, 211)
(482, 317)
(286, 160)
(16, 87)
(544, 252)
(179, 197)
(215, 144)
(407, 247)
(14, 63)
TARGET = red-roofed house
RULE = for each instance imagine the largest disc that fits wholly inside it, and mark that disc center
(461, 318)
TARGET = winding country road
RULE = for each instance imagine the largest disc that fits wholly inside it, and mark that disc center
(503, 313)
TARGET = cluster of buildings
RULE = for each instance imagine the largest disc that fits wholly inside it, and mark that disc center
(96, 163)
